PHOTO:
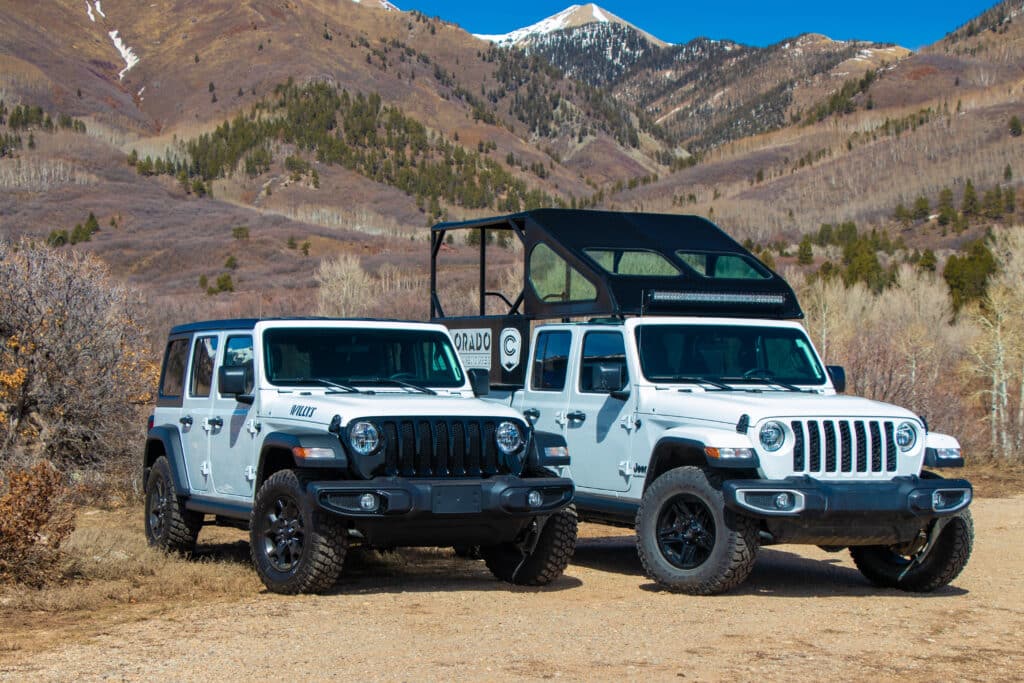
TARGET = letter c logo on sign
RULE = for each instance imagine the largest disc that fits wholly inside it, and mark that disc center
(510, 344)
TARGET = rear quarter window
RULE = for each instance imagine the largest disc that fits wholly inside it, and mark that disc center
(172, 379)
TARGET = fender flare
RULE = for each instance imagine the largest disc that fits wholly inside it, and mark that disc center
(540, 444)
(169, 439)
(285, 441)
(663, 457)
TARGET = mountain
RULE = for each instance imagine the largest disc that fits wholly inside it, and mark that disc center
(253, 138)
(572, 17)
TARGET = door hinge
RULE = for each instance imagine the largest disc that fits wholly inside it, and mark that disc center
(626, 468)
(205, 468)
(250, 473)
(560, 418)
(253, 427)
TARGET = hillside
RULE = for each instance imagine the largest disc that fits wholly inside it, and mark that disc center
(334, 127)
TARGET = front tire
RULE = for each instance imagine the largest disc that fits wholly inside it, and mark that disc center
(883, 565)
(548, 559)
(686, 538)
(169, 526)
(295, 547)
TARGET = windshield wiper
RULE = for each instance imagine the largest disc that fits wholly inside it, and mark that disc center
(763, 378)
(332, 385)
(400, 383)
(701, 380)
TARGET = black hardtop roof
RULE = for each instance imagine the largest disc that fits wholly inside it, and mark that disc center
(250, 323)
(570, 233)
(578, 229)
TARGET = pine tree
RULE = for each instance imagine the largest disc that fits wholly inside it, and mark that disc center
(805, 253)
(969, 204)
(1015, 127)
(921, 208)
(927, 262)
(947, 213)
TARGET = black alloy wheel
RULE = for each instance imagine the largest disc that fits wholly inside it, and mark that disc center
(283, 534)
(686, 531)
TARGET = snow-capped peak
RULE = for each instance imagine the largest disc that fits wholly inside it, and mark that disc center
(571, 17)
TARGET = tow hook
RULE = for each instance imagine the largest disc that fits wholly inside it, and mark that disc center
(937, 526)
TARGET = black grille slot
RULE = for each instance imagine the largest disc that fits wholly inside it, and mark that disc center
(391, 463)
(459, 449)
(475, 450)
(442, 463)
(799, 457)
(862, 446)
(890, 448)
(814, 444)
(845, 447)
(876, 447)
(406, 449)
(830, 445)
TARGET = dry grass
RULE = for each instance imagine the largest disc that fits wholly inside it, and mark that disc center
(109, 564)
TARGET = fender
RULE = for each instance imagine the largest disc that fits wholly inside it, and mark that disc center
(685, 446)
(169, 438)
(284, 441)
(547, 449)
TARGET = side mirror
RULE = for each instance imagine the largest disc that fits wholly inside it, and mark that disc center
(838, 377)
(234, 380)
(480, 380)
(608, 377)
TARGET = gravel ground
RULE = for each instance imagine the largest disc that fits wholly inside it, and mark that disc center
(426, 615)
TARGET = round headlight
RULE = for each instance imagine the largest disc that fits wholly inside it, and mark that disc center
(508, 438)
(906, 436)
(364, 437)
(772, 435)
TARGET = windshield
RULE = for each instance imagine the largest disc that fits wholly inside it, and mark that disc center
(345, 356)
(735, 354)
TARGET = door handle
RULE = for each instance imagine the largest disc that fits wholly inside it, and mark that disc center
(186, 421)
(577, 416)
(217, 422)
(531, 414)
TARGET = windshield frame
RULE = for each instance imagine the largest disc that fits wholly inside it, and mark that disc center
(817, 375)
(370, 335)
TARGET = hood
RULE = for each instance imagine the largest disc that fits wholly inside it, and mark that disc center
(319, 408)
(728, 406)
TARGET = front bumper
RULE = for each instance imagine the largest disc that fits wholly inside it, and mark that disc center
(439, 499)
(813, 499)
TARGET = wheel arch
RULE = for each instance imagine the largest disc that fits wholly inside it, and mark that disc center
(672, 452)
(165, 440)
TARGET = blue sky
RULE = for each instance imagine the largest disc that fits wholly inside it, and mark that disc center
(911, 23)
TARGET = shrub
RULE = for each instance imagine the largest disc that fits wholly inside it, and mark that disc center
(35, 519)
(74, 367)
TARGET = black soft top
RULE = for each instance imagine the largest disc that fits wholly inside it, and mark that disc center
(569, 233)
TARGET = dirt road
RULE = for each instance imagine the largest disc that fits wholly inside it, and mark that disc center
(426, 615)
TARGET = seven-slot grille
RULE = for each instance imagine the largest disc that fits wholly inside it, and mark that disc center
(442, 447)
(838, 446)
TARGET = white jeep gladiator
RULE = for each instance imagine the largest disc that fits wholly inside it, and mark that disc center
(699, 413)
(316, 434)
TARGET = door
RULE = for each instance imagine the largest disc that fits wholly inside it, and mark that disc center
(599, 426)
(544, 397)
(233, 427)
(195, 413)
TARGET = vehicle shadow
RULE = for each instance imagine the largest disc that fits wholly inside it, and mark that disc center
(778, 572)
(399, 571)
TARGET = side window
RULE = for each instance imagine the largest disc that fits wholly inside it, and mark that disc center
(555, 281)
(173, 380)
(551, 361)
(238, 354)
(603, 368)
(203, 355)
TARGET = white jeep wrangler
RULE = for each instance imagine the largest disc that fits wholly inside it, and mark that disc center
(316, 434)
(700, 415)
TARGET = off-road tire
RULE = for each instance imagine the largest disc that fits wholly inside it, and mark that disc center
(730, 547)
(169, 525)
(549, 558)
(283, 520)
(882, 565)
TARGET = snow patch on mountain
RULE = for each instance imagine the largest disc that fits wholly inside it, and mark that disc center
(88, 10)
(383, 4)
(100, 9)
(127, 54)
